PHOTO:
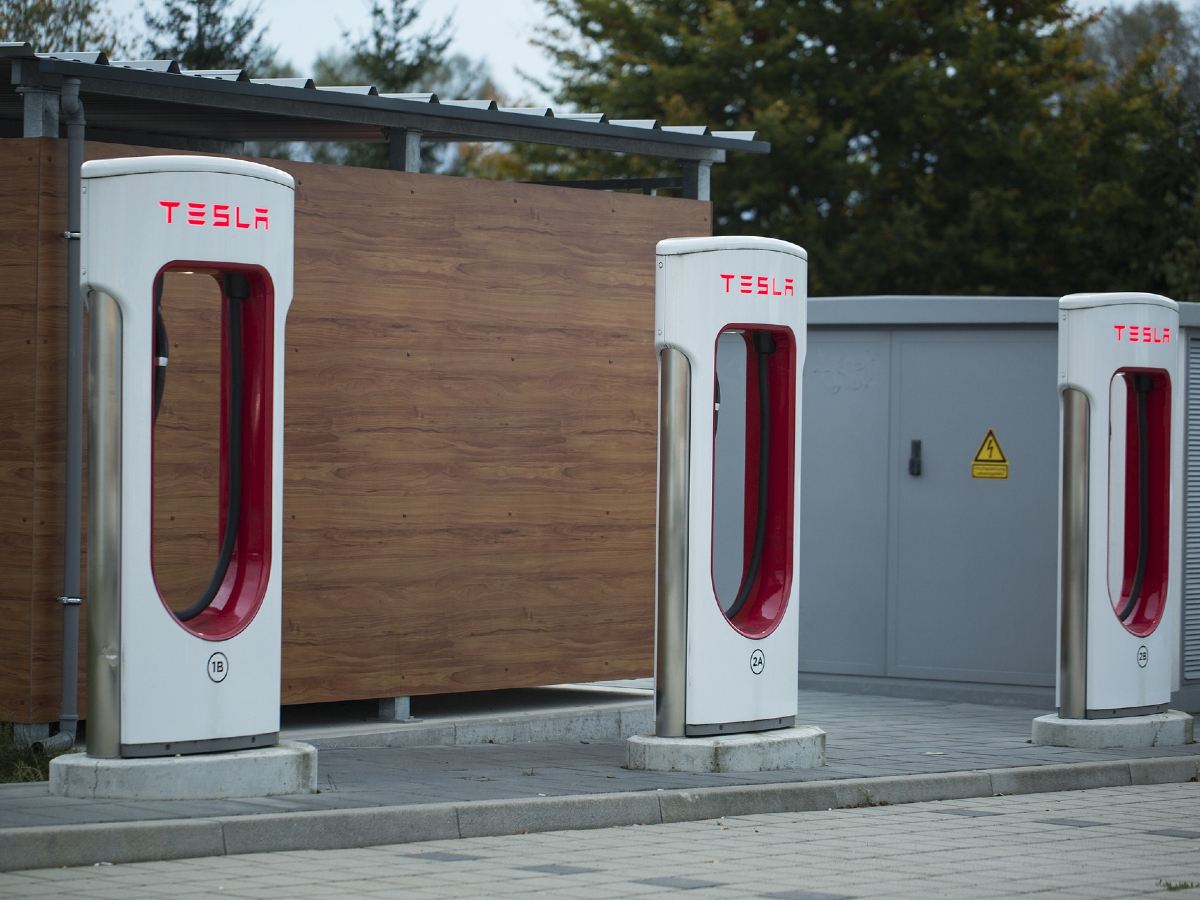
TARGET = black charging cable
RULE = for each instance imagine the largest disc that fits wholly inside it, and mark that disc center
(161, 345)
(764, 346)
(1143, 384)
(236, 289)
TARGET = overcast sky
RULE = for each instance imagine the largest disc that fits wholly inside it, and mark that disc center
(494, 30)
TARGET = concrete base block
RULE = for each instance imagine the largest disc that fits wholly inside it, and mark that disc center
(1169, 729)
(798, 747)
(290, 767)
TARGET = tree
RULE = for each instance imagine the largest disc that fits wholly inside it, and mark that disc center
(209, 34)
(918, 146)
(1117, 38)
(51, 25)
(395, 58)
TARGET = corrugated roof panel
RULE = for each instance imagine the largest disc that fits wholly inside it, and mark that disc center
(471, 104)
(362, 90)
(302, 83)
(147, 97)
(94, 58)
(416, 98)
(147, 65)
(595, 118)
(219, 74)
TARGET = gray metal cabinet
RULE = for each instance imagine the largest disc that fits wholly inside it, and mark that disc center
(972, 561)
(935, 577)
(844, 466)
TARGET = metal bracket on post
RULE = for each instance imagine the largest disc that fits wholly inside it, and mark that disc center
(396, 709)
(404, 149)
(697, 179)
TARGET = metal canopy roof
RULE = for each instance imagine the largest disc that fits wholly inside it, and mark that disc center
(145, 101)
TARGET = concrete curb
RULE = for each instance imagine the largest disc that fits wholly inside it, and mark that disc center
(127, 842)
(581, 723)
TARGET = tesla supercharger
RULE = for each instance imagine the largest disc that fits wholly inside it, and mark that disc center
(164, 680)
(726, 660)
(1121, 488)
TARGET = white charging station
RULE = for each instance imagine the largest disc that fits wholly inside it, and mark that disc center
(164, 682)
(1120, 522)
(727, 664)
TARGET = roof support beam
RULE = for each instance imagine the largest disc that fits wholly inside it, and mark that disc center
(697, 179)
(404, 149)
(41, 112)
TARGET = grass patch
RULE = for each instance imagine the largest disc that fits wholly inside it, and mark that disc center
(868, 800)
(21, 762)
(1177, 885)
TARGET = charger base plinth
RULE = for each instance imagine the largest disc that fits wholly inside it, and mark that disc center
(798, 747)
(289, 767)
(1168, 729)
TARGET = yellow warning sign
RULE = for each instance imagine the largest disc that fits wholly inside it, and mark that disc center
(990, 461)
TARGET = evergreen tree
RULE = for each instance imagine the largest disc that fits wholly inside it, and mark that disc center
(209, 34)
(51, 25)
(918, 146)
(396, 58)
(1117, 38)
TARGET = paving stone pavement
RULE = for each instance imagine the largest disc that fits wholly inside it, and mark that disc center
(1100, 844)
(867, 737)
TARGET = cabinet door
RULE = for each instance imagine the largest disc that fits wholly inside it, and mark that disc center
(973, 560)
(843, 503)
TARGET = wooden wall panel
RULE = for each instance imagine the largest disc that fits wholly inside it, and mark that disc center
(19, 164)
(469, 435)
(186, 460)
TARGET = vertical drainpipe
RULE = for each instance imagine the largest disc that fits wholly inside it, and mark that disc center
(68, 717)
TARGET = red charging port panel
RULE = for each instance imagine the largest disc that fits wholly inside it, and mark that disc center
(1148, 611)
(245, 585)
(768, 598)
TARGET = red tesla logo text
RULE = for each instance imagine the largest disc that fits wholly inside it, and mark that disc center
(1143, 334)
(767, 286)
(217, 215)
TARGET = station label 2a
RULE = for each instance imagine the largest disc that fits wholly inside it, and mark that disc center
(990, 461)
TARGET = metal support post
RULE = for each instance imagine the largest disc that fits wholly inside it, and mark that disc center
(396, 709)
(674, 429)
(68, 717)
(404, 149)
(697, 179)
(1072, 675)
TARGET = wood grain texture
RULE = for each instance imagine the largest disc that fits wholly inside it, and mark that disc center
(19, 164)
(470, 430)
(186, 458)
(470, 427)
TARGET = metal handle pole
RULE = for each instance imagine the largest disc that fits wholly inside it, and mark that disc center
(104, 528)
(1072, 664)
(674, 446)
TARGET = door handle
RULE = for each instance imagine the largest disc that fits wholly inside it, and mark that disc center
(914, 459)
